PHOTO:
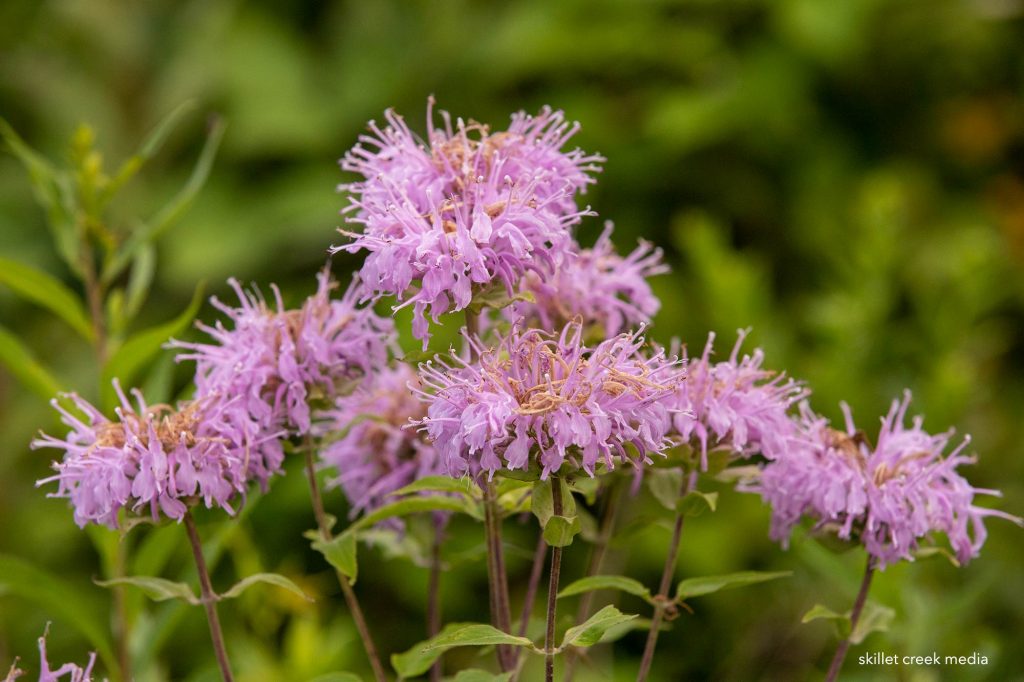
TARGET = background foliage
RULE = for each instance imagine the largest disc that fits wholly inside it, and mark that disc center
(846, 178)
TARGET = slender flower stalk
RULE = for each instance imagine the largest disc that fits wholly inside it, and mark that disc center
(209, 599)
(858, 606)
(434, 596)
(661, 599)
(324, 526)
(536, 571)
(497, 577)
(556, 567)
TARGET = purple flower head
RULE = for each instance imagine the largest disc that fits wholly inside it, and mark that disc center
(537, 395)
(464, 211)
(735, 404)
(375, 455)
(272, 362)
(151, 458)
(73, 672)
(598, 286)
(890, 496)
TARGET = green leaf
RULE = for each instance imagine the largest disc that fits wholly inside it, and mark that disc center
(666, 485)
(414, 505)
(542, 503)
(821, 612)
(337, 677)
(934, 550)
(138, 350)
(418, 659)
(62, 600)
(695, 503)
(496, 297)
(157, 589)
(150, 146)
(139, 281)
(25, 368)
(46, 290)
(696, 587)
(267, 578)
(341, 552)
(53, 191)
(608, 582)
(591, 631)
(559, 531)
(446, 484)
(873, 618)
(477, 675)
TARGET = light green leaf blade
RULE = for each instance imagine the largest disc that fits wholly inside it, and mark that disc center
(265, 578)
(696, 587)
(559, 531)
(341, 552)
(696, 503)
(822, 612)
(666, 486)
(62, 600)
(47, 291)
(607, 582)
(477, 675)
(157, 589)
(25, 368)
(446, 484)
(414, 505)
(418, 659)
(138, 350)
(590, 632)
(873, 618)
(338, 677)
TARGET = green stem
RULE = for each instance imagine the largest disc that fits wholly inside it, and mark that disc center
(209, 599)
(434, 596)
(497, 578)
(556, 567)
(346, 587)
(858, 606)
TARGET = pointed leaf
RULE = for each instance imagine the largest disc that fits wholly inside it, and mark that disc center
(873, 618)
(157, 589)
(46, 290)
(446, 484)
(414, 505)
(696, 587)
(418, 659)
(19, 361)
(338, 677)
(138, 350)
(822, 612)
(341, 552)
(695, 503)
(666, 485)
(476, 675)
(608, 582)
(591, 631)
(267, 578)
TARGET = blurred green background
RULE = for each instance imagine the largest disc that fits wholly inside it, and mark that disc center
(847, 178)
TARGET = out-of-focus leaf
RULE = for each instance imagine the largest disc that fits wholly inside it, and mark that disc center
(149, 148)
(46, 290)
(53, 191)
(134, 353)
(415, 505)
(157, 589)
(695, 503)
(169, 214)
(873, 618)
(559, 531)
(542, 503)
(139, 281)
(696, 587)
(446, 484)
(821, 612)
(341, 552)
(266, 578)
(591, 631)
(477, 675)
(62, 600)
(666, 485)
(338, 677)
(607, 582)
(25, 368)
(496, 297)
(418, 659)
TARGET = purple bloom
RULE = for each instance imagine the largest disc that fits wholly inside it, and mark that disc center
(597, 286)
(466, 210)
(374, 454)
(273, 362)
(151, 458)
(548, 397)
(890, 496)
(74, 673)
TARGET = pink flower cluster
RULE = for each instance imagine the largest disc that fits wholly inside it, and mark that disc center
(891, 496)
(150, 459)
(596, 286)
(549, 400)
(368, 446)
(735, 404)
(464, 211)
